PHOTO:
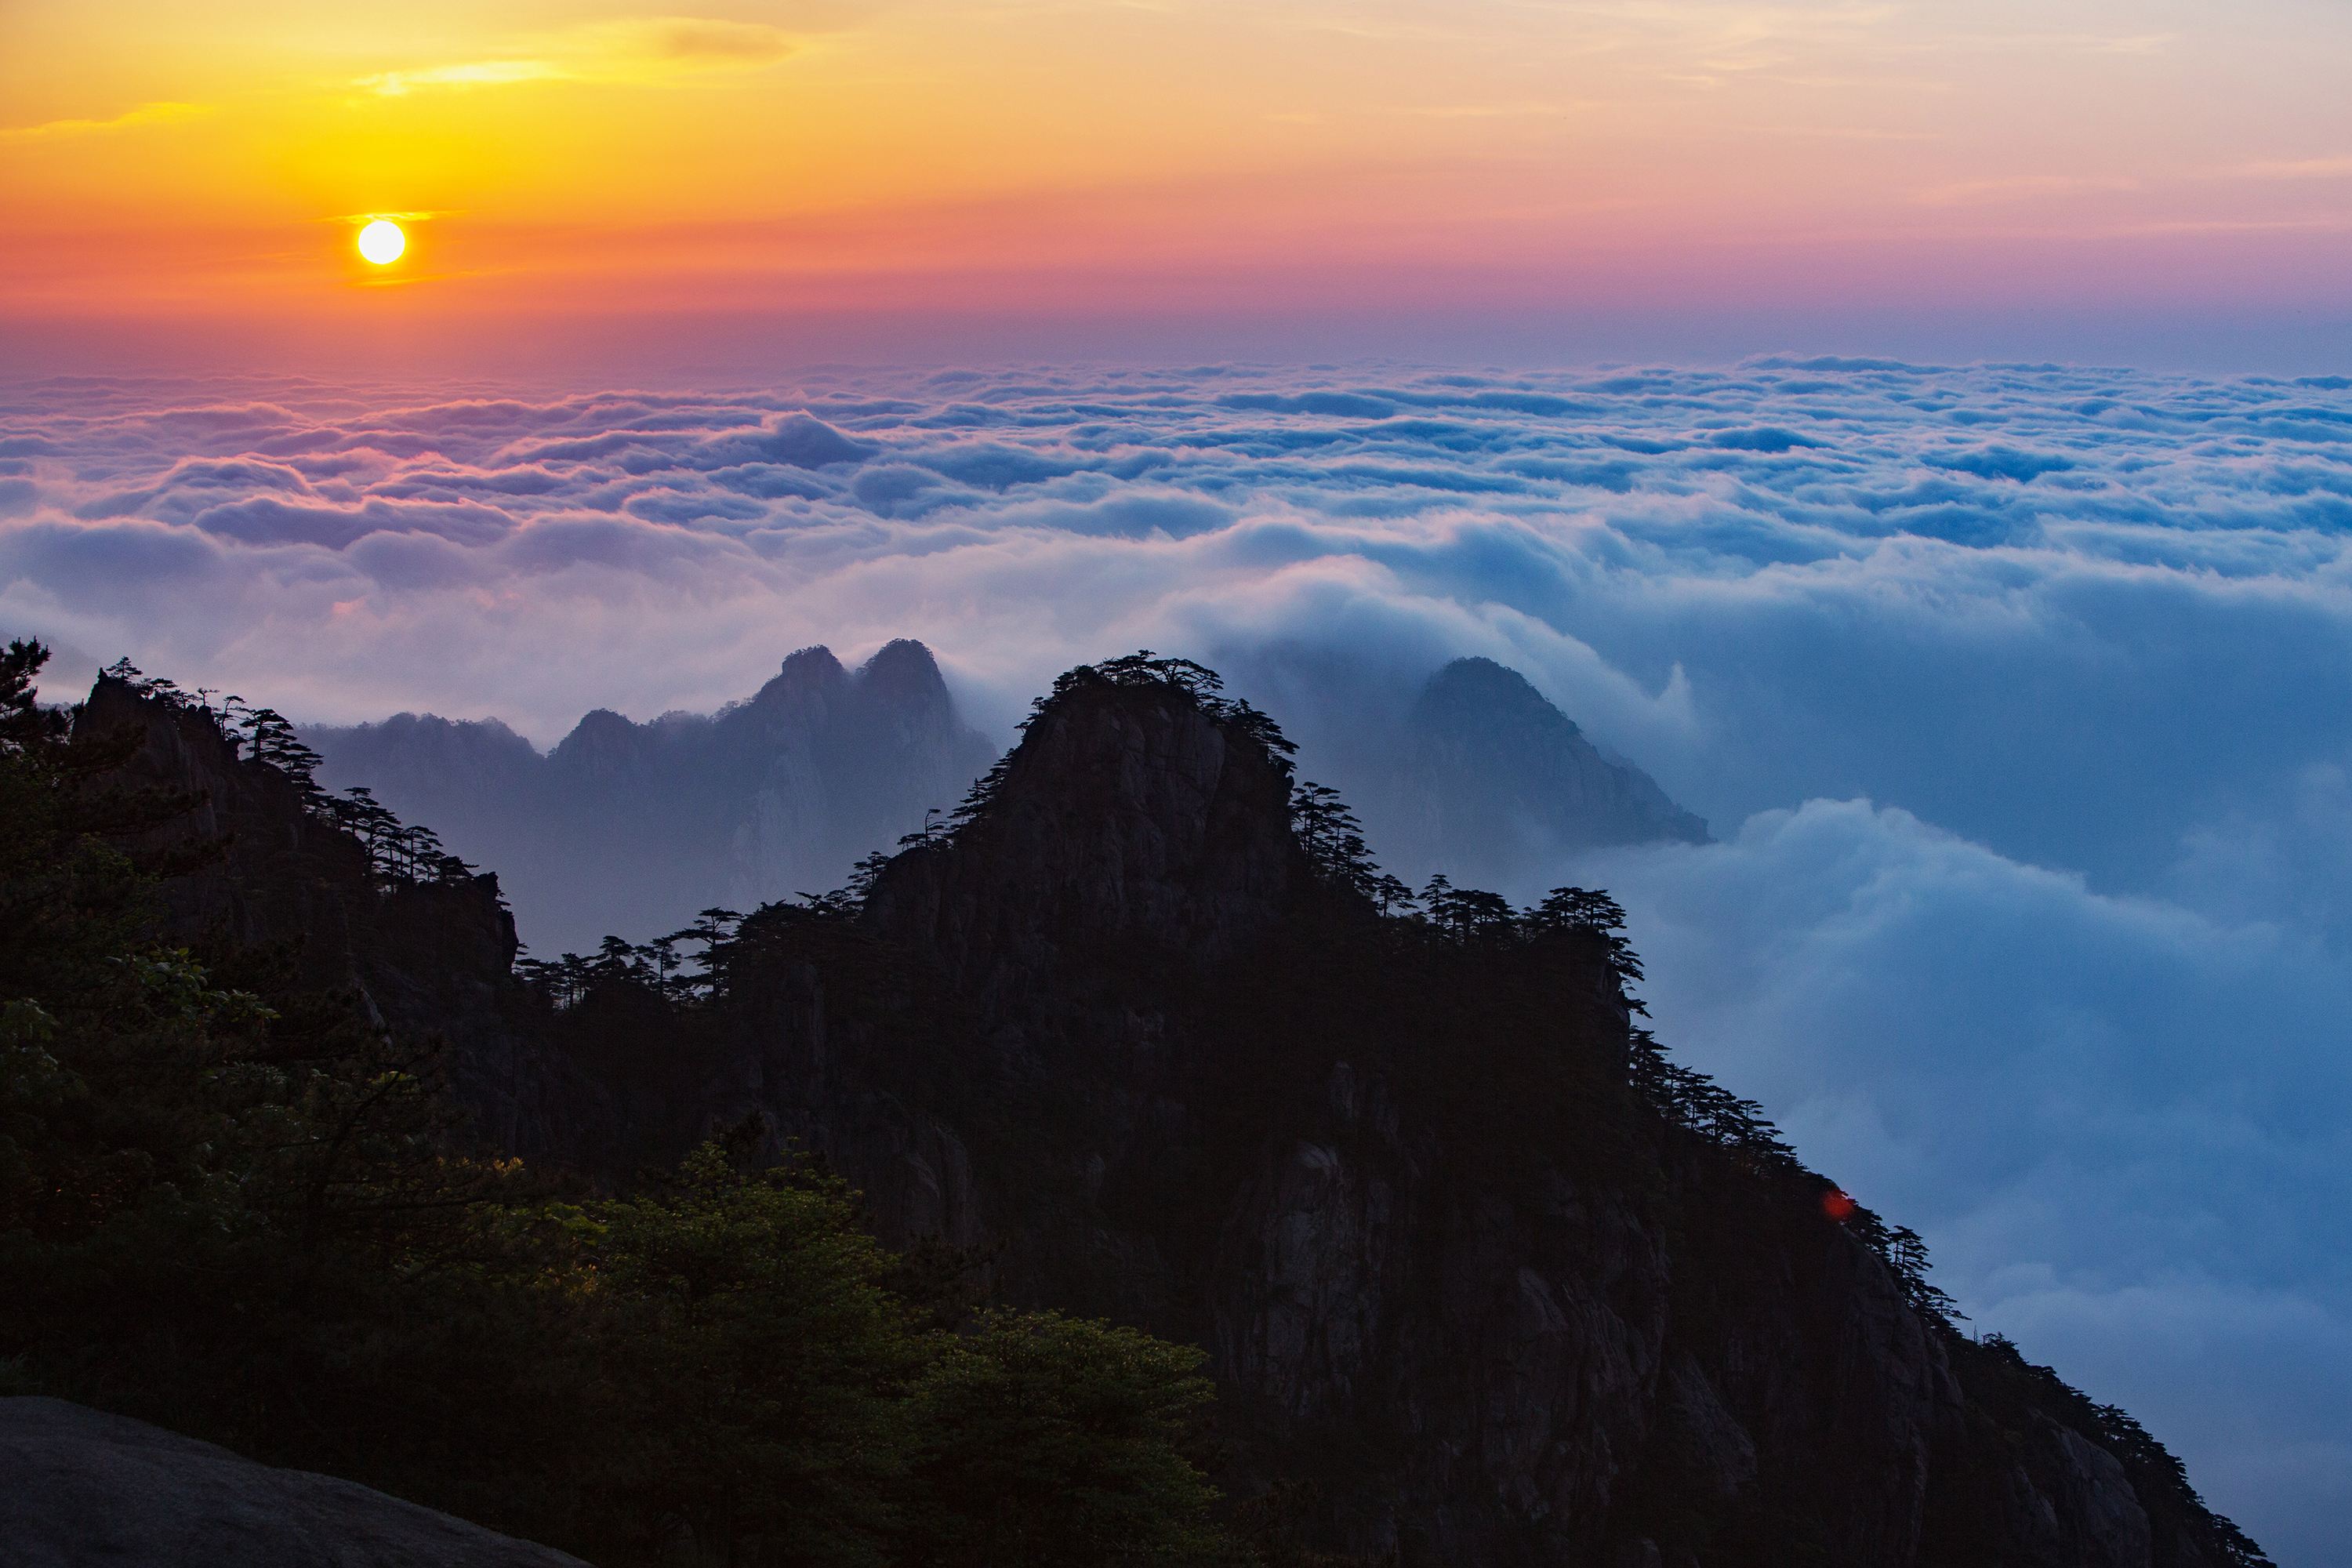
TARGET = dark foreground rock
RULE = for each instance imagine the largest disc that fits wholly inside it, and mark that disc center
(79, 1488)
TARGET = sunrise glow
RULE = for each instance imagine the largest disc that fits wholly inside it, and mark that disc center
(1402, 161)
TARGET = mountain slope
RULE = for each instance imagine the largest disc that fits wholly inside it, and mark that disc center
(1483, 1279)
(234, 1200)
(1488, 745)
(429, 954)
(1492, 784)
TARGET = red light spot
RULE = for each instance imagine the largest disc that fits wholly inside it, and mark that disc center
(1837, 1205)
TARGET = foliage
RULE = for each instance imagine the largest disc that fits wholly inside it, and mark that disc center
(763, 1366)
(1333, 841)
(1107, 1412)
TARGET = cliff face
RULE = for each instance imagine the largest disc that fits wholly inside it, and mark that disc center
(1469, 1299)
(1159, 836)
(635, 827)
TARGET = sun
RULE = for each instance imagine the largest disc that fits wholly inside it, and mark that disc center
(381, 242)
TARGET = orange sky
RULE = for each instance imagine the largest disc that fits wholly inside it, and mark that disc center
(166, 162)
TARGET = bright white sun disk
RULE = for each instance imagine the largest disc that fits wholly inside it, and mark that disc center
(381, 242)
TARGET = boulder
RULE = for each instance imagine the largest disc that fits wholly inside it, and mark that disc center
(81, 1489)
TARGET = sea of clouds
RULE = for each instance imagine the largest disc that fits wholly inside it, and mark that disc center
(2019, 699)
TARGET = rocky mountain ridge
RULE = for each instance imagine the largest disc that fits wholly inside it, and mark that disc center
(1473, 1294)
(636, 827)
(1482, 1281)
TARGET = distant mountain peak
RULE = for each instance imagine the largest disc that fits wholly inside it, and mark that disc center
(901, 653)
(903, 671)
(805, 671)
(1492, 784)
(635, 826)
(601, 741)
(1478, 684)
(816, 656)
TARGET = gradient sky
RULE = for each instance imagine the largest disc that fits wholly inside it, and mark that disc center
(1417, 173)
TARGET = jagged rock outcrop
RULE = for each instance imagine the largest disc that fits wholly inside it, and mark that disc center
(632, 827)
(79, 1488)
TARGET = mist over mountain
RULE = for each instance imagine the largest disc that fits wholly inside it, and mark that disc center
(1483, 779)
(635, 826)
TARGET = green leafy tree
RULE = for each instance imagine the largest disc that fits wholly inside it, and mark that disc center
(759, 1362)
(1051, 1442)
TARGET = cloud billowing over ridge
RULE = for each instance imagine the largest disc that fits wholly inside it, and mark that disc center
(2020, 699)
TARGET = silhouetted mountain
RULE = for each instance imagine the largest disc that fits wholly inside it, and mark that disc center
(1496, 777)
(636, 827)
(430, 953)
(1472, 773)
(1483, 1276)
(1493, 780)
(1483, 1279)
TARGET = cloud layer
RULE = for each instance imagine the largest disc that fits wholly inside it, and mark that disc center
(2020, 699)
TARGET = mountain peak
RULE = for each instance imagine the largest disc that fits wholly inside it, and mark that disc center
(1480, 686)
(1139, 809)
(904, 673)
(814, 659)
(810, 679)
(635, 826)
(603, 741)
(1496, 780)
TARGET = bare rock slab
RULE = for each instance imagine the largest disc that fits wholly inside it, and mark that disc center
(81, 1488)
